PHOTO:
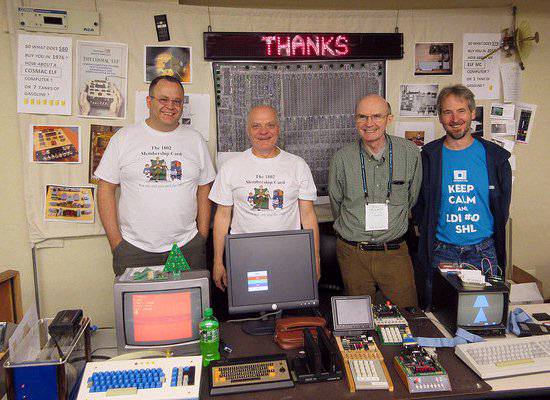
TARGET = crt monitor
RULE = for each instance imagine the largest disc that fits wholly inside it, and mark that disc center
(480, 310)
(160, 314)
(270, 271)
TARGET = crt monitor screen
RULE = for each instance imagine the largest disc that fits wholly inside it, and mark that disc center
(271, 270)
(480, 309)
(156, 318)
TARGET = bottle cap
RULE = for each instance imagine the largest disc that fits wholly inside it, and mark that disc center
(208, 312)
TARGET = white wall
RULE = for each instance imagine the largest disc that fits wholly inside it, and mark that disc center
(79, 274)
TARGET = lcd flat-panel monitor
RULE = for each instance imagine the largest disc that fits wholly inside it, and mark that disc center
(271, 271)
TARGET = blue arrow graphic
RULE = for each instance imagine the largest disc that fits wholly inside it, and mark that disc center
(481, 302)
(480, 317)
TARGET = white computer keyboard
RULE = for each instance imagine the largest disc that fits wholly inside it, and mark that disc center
(148, 378)
(368, 374)
(391, 334)
(507, 357)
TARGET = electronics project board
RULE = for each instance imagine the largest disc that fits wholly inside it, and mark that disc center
(315, 102)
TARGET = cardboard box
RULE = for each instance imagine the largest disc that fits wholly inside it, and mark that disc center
(520, 275)
(533, 290)
(525, 293)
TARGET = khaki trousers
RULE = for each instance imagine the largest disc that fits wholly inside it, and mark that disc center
(391, 270)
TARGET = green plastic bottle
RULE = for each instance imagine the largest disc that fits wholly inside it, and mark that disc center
(209, 329)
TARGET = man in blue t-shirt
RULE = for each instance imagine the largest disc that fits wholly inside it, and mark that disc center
(465, 197)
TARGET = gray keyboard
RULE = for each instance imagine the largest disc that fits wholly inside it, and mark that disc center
(507, 357)
(368, 374)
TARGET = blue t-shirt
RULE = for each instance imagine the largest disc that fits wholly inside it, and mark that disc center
(465, 216)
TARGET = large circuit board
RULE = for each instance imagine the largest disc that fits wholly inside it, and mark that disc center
(315, 102)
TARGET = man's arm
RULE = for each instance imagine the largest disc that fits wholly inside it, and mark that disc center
(309, 221)
(505, 175)
(419, 207)
(416, 183)
(204, 209)
(222, 219)
(106, 205)
(334, 188)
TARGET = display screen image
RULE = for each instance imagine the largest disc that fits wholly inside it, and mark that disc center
(480, 309)
(353, 311)
(162, 317)
(272, 268)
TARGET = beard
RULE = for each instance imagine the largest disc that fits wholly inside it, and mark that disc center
(458, 135)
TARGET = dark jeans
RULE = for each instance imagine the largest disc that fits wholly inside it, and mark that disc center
(482, 256)
(126, 255)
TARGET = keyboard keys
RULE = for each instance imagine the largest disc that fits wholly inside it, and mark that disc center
(249, 374)
(368, 374)
(510, 356)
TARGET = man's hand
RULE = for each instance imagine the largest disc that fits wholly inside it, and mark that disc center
(115, 243)
(219, 274)
(83, 103)
(107, 208)
(114, 108)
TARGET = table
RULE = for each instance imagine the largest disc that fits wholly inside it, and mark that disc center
(522, 384)
(466, 384)
(464, 381)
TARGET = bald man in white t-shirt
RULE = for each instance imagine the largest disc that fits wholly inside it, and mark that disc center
(262, 189)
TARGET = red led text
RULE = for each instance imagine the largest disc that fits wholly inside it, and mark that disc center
(306, 45)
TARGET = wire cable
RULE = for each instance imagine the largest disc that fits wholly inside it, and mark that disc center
(255, 318)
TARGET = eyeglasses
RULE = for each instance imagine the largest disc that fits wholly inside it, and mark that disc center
(375, 117)
(270, 126)
(164, 101)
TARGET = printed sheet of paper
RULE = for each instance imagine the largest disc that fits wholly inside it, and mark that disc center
(102, 79)
(481, 76)
(503, 127)
(24, 344)
(376, 216)
(196, 111)
(525, 117)
(502, 111)
(511, 81)
(419, 133)
(44, 74)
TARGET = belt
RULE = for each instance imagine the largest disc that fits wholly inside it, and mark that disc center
(366, 246)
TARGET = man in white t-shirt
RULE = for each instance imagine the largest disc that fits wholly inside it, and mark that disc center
(266, 188)
(164, 173)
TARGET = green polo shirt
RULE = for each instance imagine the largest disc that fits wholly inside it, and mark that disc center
(347, 197)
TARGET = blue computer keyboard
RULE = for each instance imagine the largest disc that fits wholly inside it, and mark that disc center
(153, 378)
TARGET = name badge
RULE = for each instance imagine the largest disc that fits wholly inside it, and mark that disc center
(376, 216)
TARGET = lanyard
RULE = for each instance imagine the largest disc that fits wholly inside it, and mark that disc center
(390, 167)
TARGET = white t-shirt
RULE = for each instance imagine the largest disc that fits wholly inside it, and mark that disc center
(264, 192)
(158, 173)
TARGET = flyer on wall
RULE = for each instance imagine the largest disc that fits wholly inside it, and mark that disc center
(54, 144)
(525, 118)
(100, 135)
(167, 60)
(102, 79)
(480, 72)
(44, 74)
(69, 204)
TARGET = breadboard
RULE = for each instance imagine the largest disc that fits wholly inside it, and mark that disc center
(315, 102)
(373, 353)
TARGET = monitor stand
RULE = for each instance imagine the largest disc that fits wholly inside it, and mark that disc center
(263, 326)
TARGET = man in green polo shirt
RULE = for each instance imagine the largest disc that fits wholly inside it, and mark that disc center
(373, 184)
